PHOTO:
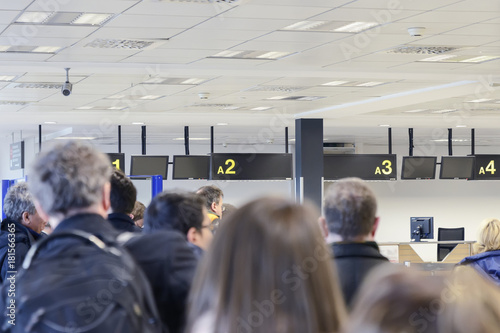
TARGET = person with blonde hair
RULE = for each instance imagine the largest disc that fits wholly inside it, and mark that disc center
(397, 299)
(487, 258)
(268, 270)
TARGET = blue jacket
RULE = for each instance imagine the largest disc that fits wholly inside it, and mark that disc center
(487, 263)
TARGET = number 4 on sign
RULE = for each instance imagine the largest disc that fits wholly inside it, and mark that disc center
(489, 168)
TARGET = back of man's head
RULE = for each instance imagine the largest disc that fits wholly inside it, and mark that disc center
(123, 193)
(350, 208)
(210, 194)
(17, 201)
(68, 177)
(174, 211)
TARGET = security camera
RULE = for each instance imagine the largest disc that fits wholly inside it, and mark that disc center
(416, 31)
(203, 95)
(67, 86)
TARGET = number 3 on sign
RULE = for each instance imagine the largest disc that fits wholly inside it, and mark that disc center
(229, 170)
(489, 168)
(387, 170)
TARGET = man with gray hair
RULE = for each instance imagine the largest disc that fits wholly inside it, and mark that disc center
(212, 195)
(350, 223)
(19, 230)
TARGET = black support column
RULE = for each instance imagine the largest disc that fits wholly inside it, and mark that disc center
(309, 160)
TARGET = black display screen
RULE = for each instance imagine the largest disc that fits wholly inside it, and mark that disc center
(141, 165)
(457, 167)
(486, 167)
(191, 167)
(419, 167)
(252, 166)
(364, 166)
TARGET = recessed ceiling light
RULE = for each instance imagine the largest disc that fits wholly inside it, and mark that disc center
(334, 83)
(261, 108)
(441, 57)
(33, 17)
(445, 111)
(7, 78)
(461, 126)
(85, 107)
(222, 124)
(150, 97)
(91, 19)
(75, 138)
(480, 100)
(277, 97)
(116, 108)
(304, 25)
(231, 108)
(50, 122)
(384, 125)
(355, 27)
(416, 110)
(46, 49)
(138, 123)
(273, 55)
(479, 59)
(256, 55)
(369, 84)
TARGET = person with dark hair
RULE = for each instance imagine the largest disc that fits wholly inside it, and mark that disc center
(182, 212)
(175, 236)
(268, 270)
(122, 198)
(212, 195)
(22, 227)
(138, 214)
(350, 221)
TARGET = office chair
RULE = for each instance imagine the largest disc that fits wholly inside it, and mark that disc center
(448, 234)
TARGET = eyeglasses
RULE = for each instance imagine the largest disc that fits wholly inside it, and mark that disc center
(212, 226)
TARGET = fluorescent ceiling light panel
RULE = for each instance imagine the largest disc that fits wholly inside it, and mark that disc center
(305, 25)
(334, 83)
(309, 98)
(4, 48)
(385, 125)
(222, 124)
(91, 19)
(85, 108)
(33, 17)
(192, 139)
(227, 54)
(277, 97)
(115, 108)
(193, 81)
(480, 100)
(445, 111)
(355, 27)
(461, 126)
(439, 58)
(46, 49)
(62, 18)
(151, 97)
(370, 84)
(479, 59)
(260, 55)
(231, 108)
(138, 123)
(50, 122)
(273, 55)
(261, 108)
(7, 78)
(75, 138)
(416, 110)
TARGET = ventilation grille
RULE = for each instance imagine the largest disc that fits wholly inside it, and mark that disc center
(119, 44)
(220, 106)
(39, 85)
(13, 103)
(422, 49)
(286, 89)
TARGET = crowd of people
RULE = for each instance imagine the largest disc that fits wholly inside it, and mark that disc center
(190, 263)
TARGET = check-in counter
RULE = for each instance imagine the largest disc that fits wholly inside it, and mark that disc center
(424, 252)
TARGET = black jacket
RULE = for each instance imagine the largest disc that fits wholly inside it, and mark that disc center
(22, 240)
(354, 261)
(169, 264)
(123, 222)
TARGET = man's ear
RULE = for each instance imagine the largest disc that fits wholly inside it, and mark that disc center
(192, 235)
(25, 218)
(213, 206)
(105, 201)
(323, 226)
(375, 227)
(40, 211)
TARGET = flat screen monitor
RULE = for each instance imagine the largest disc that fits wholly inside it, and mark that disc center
(191, 167)
(457, 167)
(421, 228)
(149, 165)
(364, 166)
(419, 167)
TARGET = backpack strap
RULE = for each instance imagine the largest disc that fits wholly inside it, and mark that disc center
(85, 236)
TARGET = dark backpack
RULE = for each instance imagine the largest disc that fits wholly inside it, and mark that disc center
(94, 288)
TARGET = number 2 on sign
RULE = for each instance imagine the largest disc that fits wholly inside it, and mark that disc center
(229, 170)
(387, 170)
(116, 163)
(489, 168)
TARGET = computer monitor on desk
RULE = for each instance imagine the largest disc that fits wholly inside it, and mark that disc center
(421, 228)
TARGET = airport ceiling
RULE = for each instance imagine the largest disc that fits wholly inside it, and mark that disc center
(250, 68)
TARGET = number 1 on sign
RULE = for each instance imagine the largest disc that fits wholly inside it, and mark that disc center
(116, 163)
